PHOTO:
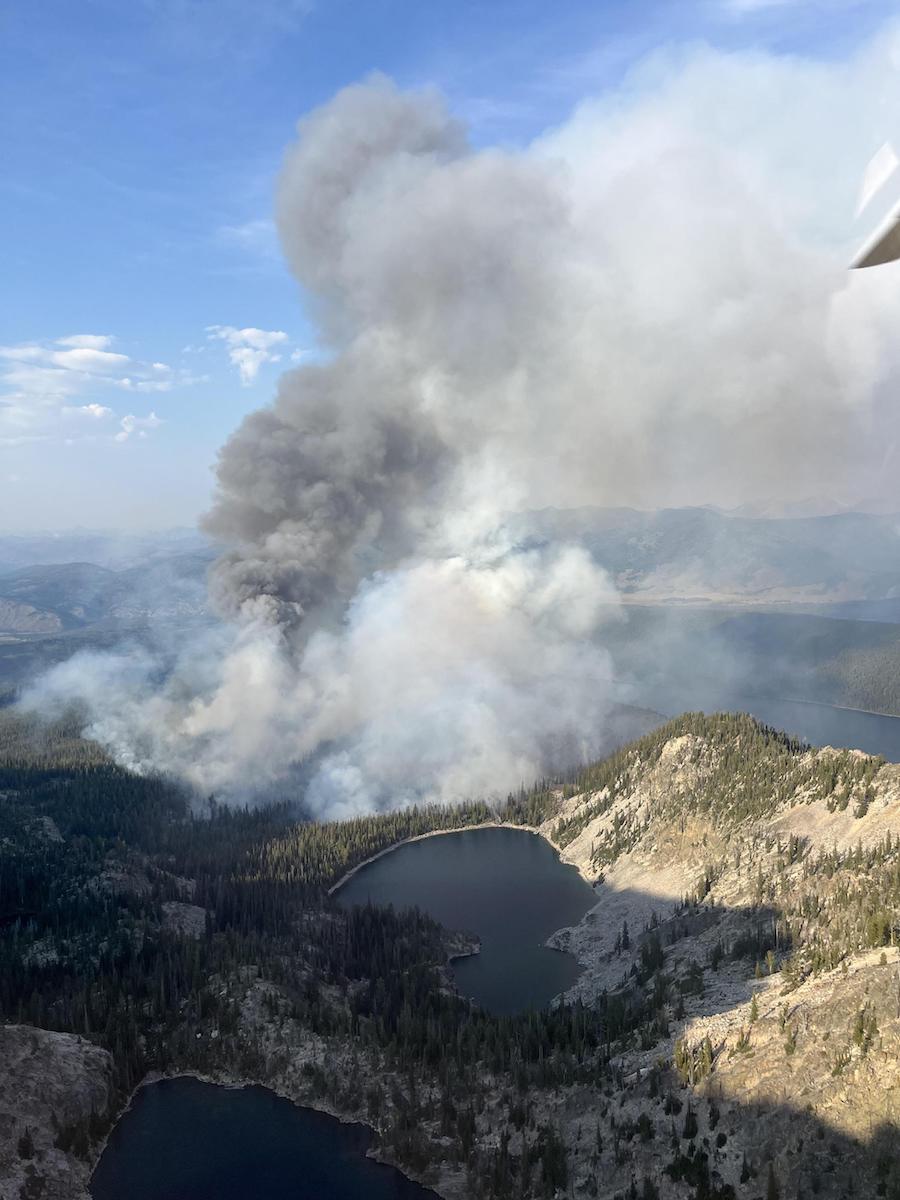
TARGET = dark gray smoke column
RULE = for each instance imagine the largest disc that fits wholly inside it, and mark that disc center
(424, 263)
(517, 329)
(643, 308)
(414, 650)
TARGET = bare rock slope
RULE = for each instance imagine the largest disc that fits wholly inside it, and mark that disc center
(53, 1088)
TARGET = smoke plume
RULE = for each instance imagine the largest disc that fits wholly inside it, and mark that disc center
(647, 306)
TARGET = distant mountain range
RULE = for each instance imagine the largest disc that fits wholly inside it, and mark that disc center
(103, 548)
(54, 584)
(703, 555)
(60, 597)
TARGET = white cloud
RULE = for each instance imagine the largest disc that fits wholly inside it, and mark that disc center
(86, 358)
(96, 412)
(127, 384)
(87, 341)
(248, 348)
(44, 383)
(27, 353)
(139, 426)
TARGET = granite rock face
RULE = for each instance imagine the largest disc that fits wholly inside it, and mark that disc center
(51, 1086)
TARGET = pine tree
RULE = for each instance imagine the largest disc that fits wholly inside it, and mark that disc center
(773, 1191)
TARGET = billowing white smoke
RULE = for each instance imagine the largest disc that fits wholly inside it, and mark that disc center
(647, 306)
(447, 678)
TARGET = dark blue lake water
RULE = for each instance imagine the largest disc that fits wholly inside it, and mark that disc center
(186, 1140)
(506, 885)
(818, 724)
(822, 725)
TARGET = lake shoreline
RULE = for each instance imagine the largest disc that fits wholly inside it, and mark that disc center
(420, 837)
(561, 893)
(867, 712)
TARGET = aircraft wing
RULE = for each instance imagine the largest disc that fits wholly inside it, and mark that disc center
(884, 244)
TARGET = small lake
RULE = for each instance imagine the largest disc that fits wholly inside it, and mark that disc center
(186, 1140)
(506, 885)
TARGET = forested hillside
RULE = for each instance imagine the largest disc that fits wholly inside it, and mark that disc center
(743, 880)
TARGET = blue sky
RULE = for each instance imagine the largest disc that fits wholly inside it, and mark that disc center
(145, 307)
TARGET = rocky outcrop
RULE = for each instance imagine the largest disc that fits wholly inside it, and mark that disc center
(55, 1090)
(675, 841)
(187, 919)
(26, 619)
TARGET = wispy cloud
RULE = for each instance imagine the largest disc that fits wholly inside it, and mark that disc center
(48, 388)
(739, 7)
(140, 426)
(87, 341)
(70, 364)
(248, 348)
(93, 412)
(257, 236)
(750, 8)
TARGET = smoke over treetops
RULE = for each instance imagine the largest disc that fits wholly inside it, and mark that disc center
(648, 305)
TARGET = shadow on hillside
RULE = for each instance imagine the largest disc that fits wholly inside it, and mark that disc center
(713, 955)
(738, 1118)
